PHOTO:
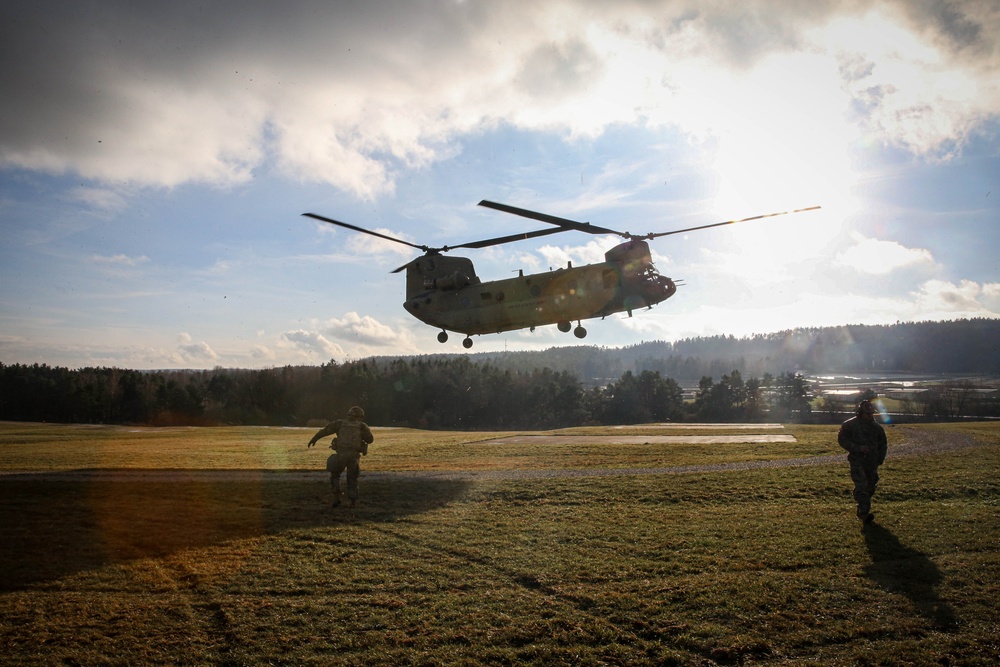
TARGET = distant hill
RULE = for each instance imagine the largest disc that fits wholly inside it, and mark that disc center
(561, 386)
(952, 347)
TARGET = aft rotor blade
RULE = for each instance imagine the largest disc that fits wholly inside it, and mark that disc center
(366, 231)
(729, 222)
(552, 220)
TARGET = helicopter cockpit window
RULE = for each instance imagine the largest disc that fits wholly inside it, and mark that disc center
(649, 272)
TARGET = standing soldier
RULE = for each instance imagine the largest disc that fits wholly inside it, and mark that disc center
(352, 437)
(864, 440)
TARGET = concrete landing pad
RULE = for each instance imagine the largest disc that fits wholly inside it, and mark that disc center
(638, 439)
(702, 427)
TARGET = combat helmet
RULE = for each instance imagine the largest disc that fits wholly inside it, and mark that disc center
(356, 412)
(866, 407)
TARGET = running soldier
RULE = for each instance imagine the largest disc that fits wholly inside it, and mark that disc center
(352, 437)
(865, 442)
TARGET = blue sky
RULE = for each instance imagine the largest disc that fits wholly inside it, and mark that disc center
(155, 162)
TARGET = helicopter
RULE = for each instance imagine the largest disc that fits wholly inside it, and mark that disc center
(444, 291)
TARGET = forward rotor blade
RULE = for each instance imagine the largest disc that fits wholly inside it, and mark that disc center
(366, 231)
(507, 239)
(491, 242)
(729, 222)
(552, 220)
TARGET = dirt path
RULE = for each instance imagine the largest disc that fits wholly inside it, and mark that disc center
(914, 442)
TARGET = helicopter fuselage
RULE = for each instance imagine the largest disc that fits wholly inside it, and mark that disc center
(445, 292)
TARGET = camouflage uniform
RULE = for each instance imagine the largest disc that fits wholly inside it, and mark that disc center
(865, 441)
(352, 439)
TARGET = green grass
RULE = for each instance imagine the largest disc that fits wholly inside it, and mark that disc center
(729, 568)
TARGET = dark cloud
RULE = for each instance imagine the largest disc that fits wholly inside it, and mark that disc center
(962, 25)
(554, 71)
(353, 92)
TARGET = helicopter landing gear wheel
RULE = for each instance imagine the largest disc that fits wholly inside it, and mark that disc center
(564, 326)
(580, 332)
(443, 337)
(467, 343)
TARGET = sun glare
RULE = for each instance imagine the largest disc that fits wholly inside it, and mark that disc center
(783, 145)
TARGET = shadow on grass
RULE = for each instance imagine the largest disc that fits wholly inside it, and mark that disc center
(53, 529)
(900, 569)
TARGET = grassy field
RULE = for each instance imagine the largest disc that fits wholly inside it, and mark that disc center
(764, 566)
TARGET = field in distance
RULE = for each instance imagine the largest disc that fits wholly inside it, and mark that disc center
(601, 546)
(30, 447)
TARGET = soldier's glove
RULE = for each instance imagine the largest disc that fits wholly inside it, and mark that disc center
(364, 449)
(333, 444)
(311, 443)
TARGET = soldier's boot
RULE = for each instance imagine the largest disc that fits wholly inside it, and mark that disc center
(865, 516)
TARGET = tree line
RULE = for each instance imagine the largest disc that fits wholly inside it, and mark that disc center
(420, 392)
(555, 388)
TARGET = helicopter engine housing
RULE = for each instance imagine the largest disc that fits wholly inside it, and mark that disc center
(438, 272)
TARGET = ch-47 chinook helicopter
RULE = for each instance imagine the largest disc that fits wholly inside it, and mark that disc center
(446, 293)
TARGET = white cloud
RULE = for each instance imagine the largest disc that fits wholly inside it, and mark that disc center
(262, 353)
(191, 352)
(219, 267)
(365, 331)
(880, 258)
(589, 253)
(312, 344)
(366, 245)
(939, 299)
(119, 260)
(101, 199)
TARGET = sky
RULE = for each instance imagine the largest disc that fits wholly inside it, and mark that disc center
(155, 160)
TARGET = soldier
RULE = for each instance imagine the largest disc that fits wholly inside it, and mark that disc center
(864, 439)
(352, 437)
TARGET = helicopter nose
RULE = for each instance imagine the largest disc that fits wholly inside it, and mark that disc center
(668, 286)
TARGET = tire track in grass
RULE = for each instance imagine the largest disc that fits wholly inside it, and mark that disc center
(205, 612)
(574, 607)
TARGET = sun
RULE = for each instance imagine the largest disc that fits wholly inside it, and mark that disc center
(785, 144)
